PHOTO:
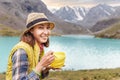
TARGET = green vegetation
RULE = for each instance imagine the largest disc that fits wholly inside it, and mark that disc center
(98, 74)
(7, 31)
(110, 32)
(2, 76)
(95, 74)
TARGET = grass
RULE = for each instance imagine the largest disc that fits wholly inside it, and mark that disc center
(95, 74)
(110, 32)
(2, 76)
(7, 31)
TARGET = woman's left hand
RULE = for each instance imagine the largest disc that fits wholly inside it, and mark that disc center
(49, 67)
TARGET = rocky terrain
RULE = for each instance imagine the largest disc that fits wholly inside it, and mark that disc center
(88, 17)
(76, 20)
(14, 12)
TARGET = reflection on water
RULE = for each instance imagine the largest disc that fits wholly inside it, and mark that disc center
(82, 52)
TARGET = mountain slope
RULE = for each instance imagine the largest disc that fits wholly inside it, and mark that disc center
(14, 12)
(100, 25)
(88, 17)
(98, 13)
(71, 14)
(110, 32)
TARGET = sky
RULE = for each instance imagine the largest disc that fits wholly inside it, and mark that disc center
(82, 3)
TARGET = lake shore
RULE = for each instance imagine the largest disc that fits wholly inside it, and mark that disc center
(93, 74)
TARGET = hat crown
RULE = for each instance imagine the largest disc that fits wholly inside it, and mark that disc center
(35, 16)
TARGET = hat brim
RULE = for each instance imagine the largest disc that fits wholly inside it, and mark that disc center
(52, 25)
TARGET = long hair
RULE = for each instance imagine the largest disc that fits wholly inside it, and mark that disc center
(29, 38)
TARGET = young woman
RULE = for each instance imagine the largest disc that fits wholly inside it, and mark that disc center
(27, 60)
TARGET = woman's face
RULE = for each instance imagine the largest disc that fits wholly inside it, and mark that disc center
(41, 32)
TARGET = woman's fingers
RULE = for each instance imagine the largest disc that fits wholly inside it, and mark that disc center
(49, 53)
(47, 59)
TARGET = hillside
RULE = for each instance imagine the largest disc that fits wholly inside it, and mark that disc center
(8, 31)
(14, 12)
(95, 74)
(100, 25)
(111, 32)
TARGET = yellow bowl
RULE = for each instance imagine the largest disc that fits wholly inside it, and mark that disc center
(59, 60)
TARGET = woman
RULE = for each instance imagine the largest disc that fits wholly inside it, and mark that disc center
(27, 60)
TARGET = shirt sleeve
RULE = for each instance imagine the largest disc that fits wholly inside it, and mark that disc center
(44, 74)
(20, 66)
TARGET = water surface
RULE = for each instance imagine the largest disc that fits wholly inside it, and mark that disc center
(82, 52)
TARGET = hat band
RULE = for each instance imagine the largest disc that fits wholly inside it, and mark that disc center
(36, 21)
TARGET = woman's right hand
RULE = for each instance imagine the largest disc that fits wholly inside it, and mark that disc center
(45, 61)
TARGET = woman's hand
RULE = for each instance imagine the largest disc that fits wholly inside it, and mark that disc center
(48, 68)
(46, 60)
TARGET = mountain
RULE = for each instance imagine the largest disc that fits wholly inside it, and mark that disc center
(100, 25)
(88, 17)
(14, 12)
(117, 14)
(53, 10)
(111, 32)
(71, 14)
(98, 13)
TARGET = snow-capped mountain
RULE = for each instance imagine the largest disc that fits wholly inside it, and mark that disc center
(53, 10)
(14, 12)
(71, 14)
(99, 12)
(117, 13)
(87, 17)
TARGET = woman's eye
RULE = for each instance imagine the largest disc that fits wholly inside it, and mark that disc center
(48, 27)
(40, 27)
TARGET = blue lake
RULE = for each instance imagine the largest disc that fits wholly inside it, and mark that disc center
(82, 52)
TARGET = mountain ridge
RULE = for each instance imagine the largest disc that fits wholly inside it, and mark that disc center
(92, 15)
(14, 13)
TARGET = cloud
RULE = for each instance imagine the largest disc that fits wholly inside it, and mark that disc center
(106, 1)
(83, 3)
